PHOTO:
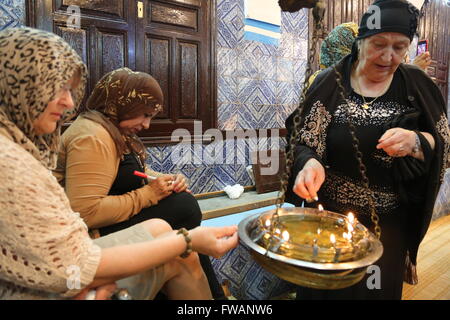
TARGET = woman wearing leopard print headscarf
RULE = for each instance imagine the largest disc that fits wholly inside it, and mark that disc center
(46, 251)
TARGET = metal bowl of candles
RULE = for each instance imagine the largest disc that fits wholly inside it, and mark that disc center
(311, 247)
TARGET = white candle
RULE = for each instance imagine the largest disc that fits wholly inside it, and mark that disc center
(337, 252)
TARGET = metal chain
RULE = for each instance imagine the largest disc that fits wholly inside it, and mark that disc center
(318, 25)
(362, 168)
(296, 132)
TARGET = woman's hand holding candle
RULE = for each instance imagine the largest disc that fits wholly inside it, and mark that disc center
(309, 180)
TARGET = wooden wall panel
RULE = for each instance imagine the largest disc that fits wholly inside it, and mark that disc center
(157, 52)
(115, 7)
(191, 2)
(189, 85)
(181, 36)
(177, 16)
(105, 38)
(78, 38)
(112, 51)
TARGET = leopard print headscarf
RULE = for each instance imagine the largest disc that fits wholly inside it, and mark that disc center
(34, 66)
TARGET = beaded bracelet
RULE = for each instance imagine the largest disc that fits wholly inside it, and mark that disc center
(188, 240)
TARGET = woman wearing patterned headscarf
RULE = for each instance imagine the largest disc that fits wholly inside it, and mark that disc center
(100, 151)
(46, 251)
(399, 117)
(336, 46)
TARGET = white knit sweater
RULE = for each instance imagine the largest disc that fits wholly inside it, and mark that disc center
(45, 250)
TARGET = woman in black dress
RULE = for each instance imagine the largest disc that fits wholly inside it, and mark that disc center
(400, 120)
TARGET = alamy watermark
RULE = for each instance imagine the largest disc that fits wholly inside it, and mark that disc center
(374, 280)
(238, 147)
(374, 21)
(73, 281)
(74, 19)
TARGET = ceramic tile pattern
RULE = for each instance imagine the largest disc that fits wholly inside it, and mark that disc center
(258, 86)
(12, 13)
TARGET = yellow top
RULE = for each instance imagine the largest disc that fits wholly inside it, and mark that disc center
(87, 167)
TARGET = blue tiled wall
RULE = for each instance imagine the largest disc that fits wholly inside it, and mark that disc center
(12, 13)
(258, 86)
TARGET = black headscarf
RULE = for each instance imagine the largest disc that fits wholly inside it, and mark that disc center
(389, 16)
(393, 16)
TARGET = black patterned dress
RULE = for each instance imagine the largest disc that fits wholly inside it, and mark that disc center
(343, 189)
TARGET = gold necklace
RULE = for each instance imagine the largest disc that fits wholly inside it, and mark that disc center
(366, 105)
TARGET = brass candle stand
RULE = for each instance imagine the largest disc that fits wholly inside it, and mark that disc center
(311, 247)
(301, 249)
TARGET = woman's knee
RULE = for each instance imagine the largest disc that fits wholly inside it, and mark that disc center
(190, 265)
(190, 209)
(156, 226)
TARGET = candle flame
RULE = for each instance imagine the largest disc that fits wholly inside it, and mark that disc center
(285, 235)
(268, 223)
(350, 228)
(351, 217)
(332, 239)
(320, 207)
(319, 231)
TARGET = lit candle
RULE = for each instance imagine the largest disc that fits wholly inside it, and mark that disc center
(267, 223)
(320, 207)
(280, 241)
(333, 240)
(352, 219)
(285, 235)
(351, 224)
(348, 236)
(337, 251)
(350, 229)
(283, 242)
(315, 248)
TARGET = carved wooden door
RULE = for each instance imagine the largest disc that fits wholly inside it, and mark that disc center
(173, 40)
(105, 37)
(175, 44)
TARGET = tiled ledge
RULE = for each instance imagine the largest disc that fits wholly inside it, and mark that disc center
(223, 205)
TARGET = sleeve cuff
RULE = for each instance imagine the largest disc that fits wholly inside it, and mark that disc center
(88, 270)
